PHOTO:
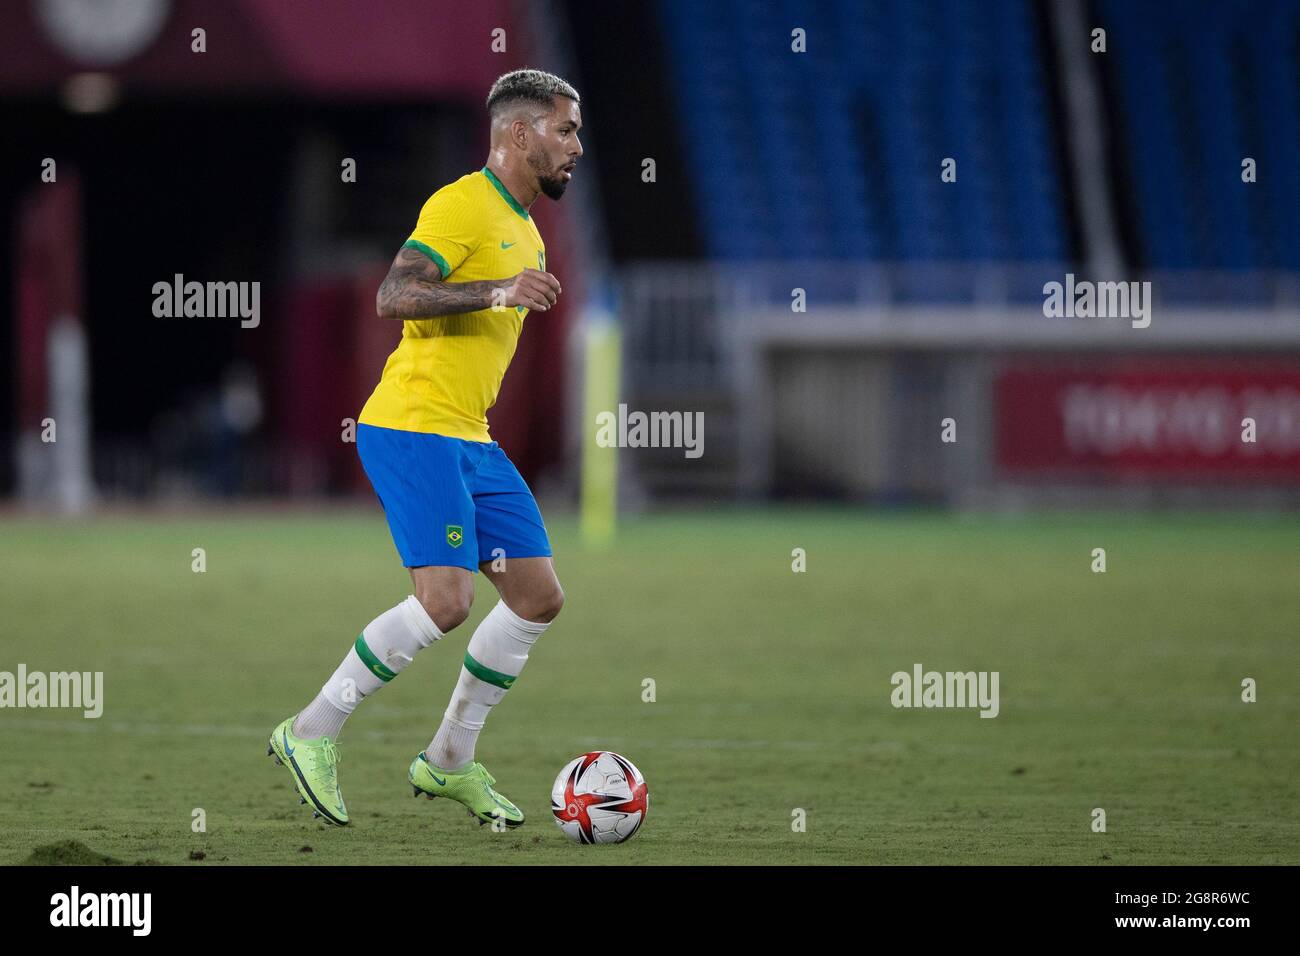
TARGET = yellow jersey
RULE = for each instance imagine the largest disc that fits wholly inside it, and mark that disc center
(447, 369)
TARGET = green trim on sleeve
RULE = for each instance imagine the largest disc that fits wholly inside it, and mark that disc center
(438, 260)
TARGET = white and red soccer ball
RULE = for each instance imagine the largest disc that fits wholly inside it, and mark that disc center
(600, 797)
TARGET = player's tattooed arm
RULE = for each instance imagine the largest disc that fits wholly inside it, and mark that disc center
(413, 289)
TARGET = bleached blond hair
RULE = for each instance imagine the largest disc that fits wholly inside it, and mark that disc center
(528, 86)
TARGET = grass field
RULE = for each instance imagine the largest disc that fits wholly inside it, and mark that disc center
(1119, 690)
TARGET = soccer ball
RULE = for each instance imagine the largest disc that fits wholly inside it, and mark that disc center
(600, 797)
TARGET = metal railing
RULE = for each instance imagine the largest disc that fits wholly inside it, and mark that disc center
(680, 320)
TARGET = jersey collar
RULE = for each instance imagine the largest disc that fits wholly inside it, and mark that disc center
(505, 193)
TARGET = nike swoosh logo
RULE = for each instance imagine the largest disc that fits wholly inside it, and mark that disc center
(507, 245)
(439, 780)
(288, 751)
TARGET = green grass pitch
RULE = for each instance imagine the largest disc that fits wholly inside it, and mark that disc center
(1119, 690)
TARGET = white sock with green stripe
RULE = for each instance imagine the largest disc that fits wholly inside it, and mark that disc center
(384, 648)
(495, 658)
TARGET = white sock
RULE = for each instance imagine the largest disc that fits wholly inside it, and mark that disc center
(384, 648)
(320, 718)
(495, 658)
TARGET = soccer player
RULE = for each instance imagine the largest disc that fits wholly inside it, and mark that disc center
(473, 269)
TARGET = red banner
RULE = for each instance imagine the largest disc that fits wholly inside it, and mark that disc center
(1171, 418)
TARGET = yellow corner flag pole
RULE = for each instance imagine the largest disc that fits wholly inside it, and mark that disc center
(602, 343)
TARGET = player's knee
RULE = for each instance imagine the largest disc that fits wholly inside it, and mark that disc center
(545, 606)
(448, 608)
(557, 603)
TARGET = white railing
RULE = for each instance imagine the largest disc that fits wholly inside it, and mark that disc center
(683, 322)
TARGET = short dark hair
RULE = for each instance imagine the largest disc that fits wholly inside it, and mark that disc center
(528, 86)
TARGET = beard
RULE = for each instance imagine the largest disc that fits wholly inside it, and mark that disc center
(550, 181)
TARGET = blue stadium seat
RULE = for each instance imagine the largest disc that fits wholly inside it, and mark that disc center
(835, 153)
(1200, 85)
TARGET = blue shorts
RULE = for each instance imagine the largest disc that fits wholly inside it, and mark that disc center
(451, 502)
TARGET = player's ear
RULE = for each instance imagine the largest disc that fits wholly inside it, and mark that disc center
(519, 133)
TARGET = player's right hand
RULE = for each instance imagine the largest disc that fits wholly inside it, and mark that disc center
(533, 289)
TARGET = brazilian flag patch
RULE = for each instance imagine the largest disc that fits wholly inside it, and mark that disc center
(455, 535)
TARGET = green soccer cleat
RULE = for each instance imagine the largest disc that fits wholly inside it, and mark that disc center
(471, 787)
(314, 764)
